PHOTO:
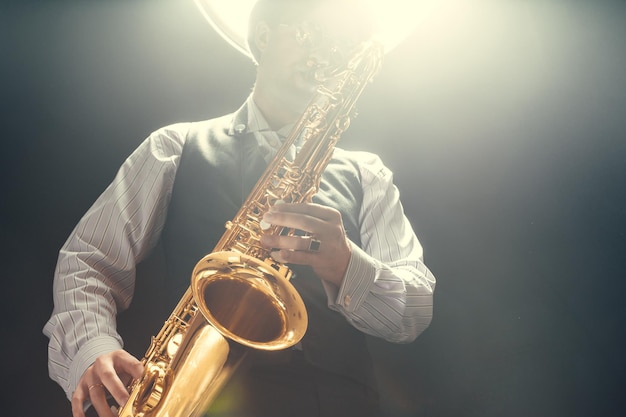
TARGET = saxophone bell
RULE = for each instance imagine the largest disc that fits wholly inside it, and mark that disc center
(248, 300)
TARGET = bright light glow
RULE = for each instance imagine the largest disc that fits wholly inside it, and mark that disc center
(396, 19)
(229, 19)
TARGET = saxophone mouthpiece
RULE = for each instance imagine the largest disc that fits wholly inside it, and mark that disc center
(320, 73)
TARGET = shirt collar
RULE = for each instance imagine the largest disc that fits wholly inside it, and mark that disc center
(267, 139)
(249, 119)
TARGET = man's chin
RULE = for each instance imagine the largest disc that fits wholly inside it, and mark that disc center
(298, 102)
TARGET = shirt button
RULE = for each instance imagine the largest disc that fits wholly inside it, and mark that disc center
(240, 128)
(273, 142)
(346, 300)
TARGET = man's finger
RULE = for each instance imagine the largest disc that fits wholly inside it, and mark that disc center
(311, 209)
(78, 401)
(127, 367)
(97, 395)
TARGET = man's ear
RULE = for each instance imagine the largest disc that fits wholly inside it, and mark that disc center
(261, 36)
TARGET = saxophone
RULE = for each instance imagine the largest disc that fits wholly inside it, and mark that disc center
(239, 298)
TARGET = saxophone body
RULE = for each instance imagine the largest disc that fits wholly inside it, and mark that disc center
(239, 298)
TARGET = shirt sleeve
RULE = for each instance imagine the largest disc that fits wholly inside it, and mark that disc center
(387, 291)
(95, 272)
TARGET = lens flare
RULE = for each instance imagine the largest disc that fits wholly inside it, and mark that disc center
(396, 19)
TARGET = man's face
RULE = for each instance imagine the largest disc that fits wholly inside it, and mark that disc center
(296, 49)
(286, 64)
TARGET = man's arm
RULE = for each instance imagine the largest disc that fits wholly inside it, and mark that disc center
(95, 273)
(387, 290)
(383, 289)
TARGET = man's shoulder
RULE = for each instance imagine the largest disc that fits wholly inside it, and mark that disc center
(369, 164)
(223, 121)
(358, 157)
(182, 131)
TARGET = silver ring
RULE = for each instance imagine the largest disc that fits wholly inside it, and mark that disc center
(314, 245)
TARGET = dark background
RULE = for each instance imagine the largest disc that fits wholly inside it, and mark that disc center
(505, 125)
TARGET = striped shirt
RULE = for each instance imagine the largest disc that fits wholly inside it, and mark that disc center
(387, 290)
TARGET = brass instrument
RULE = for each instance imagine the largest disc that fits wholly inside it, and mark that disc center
(244, 297)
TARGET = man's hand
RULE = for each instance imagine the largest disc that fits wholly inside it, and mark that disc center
(110, 372)
(330, 260)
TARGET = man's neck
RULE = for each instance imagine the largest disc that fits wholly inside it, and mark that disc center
(274, 111)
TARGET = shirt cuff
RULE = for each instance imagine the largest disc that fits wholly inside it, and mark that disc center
(87, 355)
(356, 284)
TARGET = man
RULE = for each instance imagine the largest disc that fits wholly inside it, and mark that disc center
(181, 185)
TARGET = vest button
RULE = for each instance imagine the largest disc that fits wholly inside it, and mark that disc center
(346, 300)
(240, 128)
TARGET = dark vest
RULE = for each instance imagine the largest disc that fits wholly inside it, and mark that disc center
(217, 170)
